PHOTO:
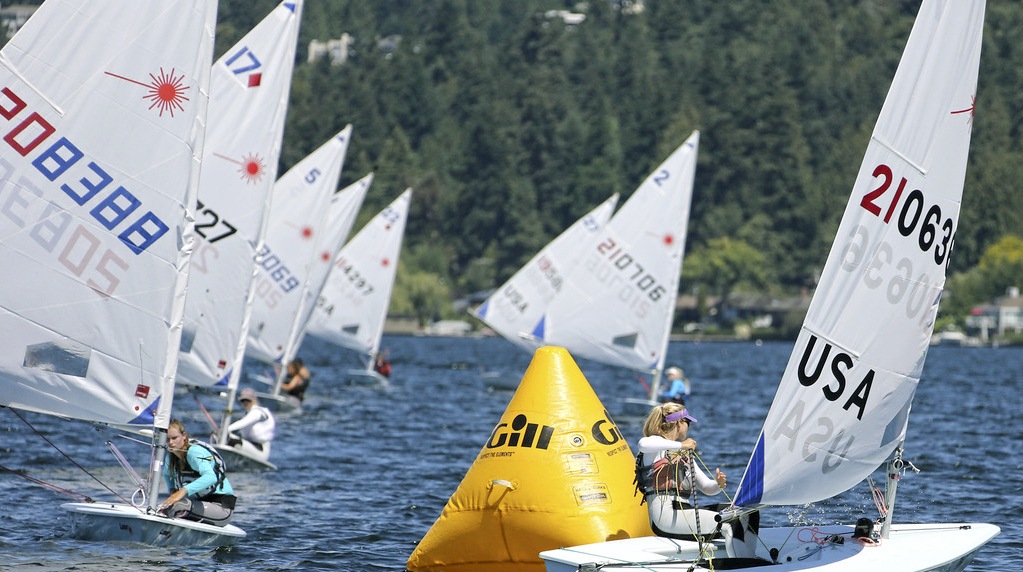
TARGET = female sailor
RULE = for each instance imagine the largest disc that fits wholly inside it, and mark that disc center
(668, 476)
(196, 476)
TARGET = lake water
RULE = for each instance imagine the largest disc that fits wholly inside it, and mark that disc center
(365, 471)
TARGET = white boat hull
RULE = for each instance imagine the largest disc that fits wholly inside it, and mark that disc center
(364, 377)
(280, 403)
(909, 548)
(243, 460)
(125, 523)
(637, 407)
(499, 381)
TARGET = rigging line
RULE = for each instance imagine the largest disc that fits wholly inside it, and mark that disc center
(46, 485)
(878, 496)
(759, 539)
(683, 472)
(66, 456)
(696, 509)
(209, 418)
(139, 481)
(707, 469)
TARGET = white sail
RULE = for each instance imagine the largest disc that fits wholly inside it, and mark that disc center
(296, 224)
(341, 213)
(102, 135)
(844, 399)
(248, 104)
(518, 304)
(353, 305)
(618, 302)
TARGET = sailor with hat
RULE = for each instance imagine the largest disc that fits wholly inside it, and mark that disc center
(679, 389)
(255, 430)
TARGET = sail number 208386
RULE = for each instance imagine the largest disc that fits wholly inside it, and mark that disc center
(932, 232)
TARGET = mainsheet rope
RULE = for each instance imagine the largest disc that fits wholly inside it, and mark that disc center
(53, 487)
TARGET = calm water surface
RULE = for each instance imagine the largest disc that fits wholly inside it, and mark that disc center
(365, 471)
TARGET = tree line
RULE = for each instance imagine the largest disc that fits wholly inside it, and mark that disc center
(511, 120)
(510, 123)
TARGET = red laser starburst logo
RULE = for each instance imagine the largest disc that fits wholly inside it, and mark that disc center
(307, 232)
(165, 91)
(385, 262)
(667, 239)
(251, 166)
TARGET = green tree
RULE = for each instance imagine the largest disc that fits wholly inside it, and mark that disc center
(510, 123)
(420, 294)
(725, 265)
(1000, 268)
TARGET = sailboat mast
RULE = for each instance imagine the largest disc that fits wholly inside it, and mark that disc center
(156, 466)
(895, 466)
(655, 384)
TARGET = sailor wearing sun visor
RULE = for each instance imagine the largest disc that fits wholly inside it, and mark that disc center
(668, 473)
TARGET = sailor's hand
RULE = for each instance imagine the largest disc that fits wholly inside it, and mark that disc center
(689, 444)
(720, 478)
(171, 499)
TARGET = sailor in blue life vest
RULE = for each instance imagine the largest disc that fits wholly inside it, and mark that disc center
(669, 475)
(253, 432)
(197, 479)
(679, 389)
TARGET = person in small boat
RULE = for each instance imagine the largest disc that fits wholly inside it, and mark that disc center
(668, 475)
(197, 478)
(296, 382)
(679, 389)
(381, 365)
(255, 430)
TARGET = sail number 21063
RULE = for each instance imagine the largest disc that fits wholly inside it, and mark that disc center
(931, 231)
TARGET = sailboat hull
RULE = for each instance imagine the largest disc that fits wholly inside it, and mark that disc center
(637, 406)
(364, 377)
(243, 459)
(909, 548)
(125, 523)
(280, 403)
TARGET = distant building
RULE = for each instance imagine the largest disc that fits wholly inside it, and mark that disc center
(630, 7)
(569, 18)
(1003, 316)
(389, 45)
(339, 50)
(335, 50)
(448, 328)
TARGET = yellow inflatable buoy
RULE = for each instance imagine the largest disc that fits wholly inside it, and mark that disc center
(554, 472)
